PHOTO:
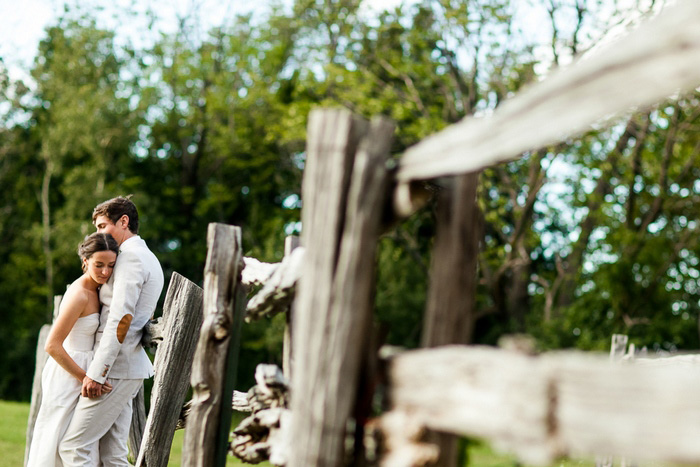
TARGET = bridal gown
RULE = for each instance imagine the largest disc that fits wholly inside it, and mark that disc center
(60, 394)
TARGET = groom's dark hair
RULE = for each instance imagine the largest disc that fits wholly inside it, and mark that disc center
(115, 208)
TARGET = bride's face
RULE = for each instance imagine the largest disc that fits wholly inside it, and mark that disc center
(100, 265)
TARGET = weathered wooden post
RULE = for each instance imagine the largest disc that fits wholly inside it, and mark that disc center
(182, 316)
(138, 422)
(290, 243)
(449, 316)
(344, 195)
(40, 362)
(215, 360)
(618, 349)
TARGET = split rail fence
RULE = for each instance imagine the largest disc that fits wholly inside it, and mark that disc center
(540, 407)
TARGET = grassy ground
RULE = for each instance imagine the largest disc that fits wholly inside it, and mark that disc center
(13, 431)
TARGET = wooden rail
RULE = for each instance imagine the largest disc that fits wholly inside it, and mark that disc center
(545, 407)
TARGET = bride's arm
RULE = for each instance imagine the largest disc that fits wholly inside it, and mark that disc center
(74, 302)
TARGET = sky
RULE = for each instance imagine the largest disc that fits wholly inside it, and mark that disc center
(22, 22)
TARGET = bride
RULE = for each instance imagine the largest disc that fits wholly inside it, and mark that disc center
(69, 344)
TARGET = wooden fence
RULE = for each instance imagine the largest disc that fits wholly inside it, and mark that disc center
(539, 407)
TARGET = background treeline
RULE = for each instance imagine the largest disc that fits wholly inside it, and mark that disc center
(594, 236)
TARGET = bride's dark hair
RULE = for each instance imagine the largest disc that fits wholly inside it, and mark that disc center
(96, 242)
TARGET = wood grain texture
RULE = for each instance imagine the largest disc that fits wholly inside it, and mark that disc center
(449, 316)
(202, 445)
(544, 407)
(138, 422)
(277, 292)
(256, 273)
(344, 191)
(332, 139)
(181, 323)
(649, 64)
(291, 243)
(450, 312)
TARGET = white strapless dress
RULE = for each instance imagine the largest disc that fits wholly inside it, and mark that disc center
(60, 394)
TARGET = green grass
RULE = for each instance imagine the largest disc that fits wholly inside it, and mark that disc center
(13, 431)
(176, 449)
(480, 454)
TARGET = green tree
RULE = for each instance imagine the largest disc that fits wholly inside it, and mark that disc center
(63, 142)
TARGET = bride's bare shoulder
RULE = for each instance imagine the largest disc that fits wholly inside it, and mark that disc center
(78, 292)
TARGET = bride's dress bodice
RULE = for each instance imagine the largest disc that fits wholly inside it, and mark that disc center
(82, 336)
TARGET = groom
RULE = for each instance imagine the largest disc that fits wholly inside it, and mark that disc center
(128, 301)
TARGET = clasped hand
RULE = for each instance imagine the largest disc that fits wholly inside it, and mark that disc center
(93, 389)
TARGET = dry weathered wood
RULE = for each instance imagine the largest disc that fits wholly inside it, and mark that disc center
(259, 436)
(332, 139)
(618, 347)
(688, 362)
(403, 440)
(203, 446)
(39, 363)
(409, 197)
(239, 402)
(449, 316)
(251, 438)
(331, 320)
(138, 423)
(278, 291)
(659, 57)
(291, 243)
(179, 326)
(255, 272)
(153, 333)
(543, 407)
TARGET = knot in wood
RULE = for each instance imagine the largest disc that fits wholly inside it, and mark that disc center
(222, 326)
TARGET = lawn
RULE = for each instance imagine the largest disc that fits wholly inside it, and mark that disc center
(13, 431)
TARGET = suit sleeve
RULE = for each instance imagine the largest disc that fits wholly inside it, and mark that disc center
(129, 277)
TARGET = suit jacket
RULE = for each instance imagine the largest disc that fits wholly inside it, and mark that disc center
(128, 299)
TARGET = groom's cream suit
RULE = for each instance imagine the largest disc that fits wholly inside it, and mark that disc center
(128, 299)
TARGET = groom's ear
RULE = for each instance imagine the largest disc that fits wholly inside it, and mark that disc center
(123, 221)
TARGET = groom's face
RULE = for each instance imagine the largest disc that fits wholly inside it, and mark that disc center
(104, 225)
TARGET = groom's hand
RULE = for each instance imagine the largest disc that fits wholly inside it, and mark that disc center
(91, 388)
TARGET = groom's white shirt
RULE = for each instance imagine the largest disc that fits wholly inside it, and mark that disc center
(128, 299)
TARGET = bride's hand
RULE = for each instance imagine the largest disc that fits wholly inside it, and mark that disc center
(106, 387)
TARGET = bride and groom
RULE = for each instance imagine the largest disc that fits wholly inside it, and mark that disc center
(97, 363)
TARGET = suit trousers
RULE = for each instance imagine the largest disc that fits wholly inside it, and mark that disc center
(106, 419)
